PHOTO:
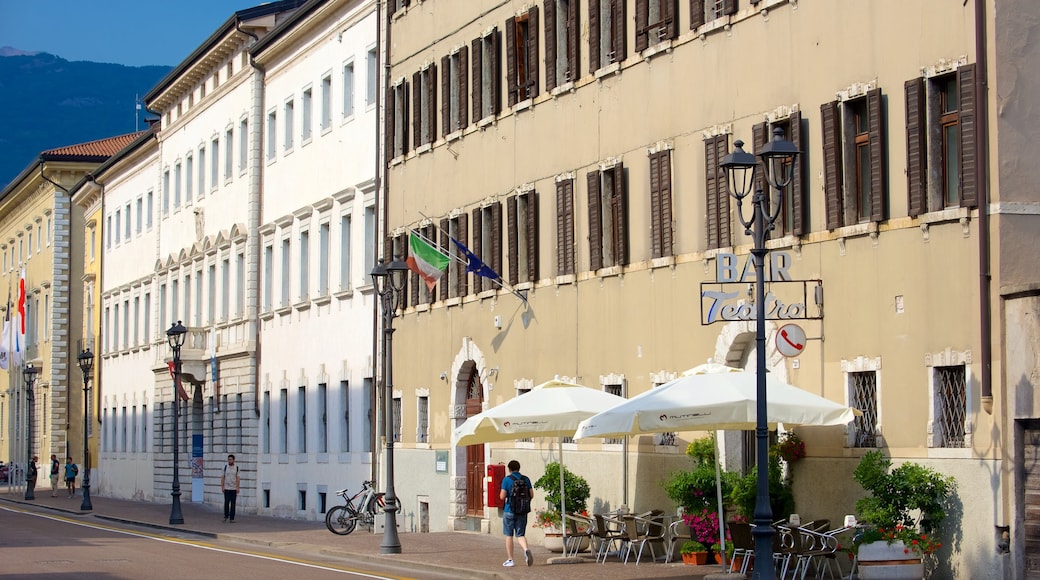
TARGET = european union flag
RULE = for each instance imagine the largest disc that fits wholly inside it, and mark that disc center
(475, 264)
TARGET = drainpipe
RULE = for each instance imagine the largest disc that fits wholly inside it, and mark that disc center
(380, 179)
(982, 187)
(255, 203)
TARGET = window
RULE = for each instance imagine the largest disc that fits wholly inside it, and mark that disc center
(716, 191)
(272, 139)
(228, 154)
(522, 218)
(225, 289)
(214, 162)
(397, 419)
(146, 331)
(202, 171)
(126, 322)
(114, 329)
(283, 428)
(395, 5)
(370, 237)
(289, 113)
(211, 306)
(189, 178)
(397, 119)
(323, 259)
(265, 437)
(486, 73)
(307, 104)
(326, 101)
(487, 242)
(137, 321)
(422, 428)
(854, 160)
(656, 21)
(522, 56)
(140, 214)
(940, 141)
(951, 407)
(118, 230)
(176, 185)
(608, 217)
(453, 283)
(323, 418)
(606, 33)
(268, 277)
(301, 414)
(198, 297)
(344, 428)
(373, 76)
(285, 272)
(175, 297)
(187, 299)
(149, 209)
(703, 11)
(564, 226)
(348, 90)
(243, 145)
(162, 307)
(240, 282)
(561, 42)
(344, 251)
(108, 237)
(305, 265)
(617, 390)
(126, 224)
(453, 91)
(863, 396)
(424, 103)
(661, 203)
(793, 218)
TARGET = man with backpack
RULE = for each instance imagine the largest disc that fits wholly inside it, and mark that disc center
(517, 492)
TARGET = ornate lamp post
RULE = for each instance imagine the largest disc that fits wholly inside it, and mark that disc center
(175, 336)
(389, 281)
(29, 374)
(86, 364)
(778, 157)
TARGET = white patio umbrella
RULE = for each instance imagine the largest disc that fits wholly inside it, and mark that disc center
(714, 397)
(551, 409)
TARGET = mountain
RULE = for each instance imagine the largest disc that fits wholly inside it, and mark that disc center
(48, 102)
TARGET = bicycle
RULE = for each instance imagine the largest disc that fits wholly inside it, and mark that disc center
(362, 506)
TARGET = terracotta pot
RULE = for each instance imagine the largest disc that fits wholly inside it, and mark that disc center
(695, 559)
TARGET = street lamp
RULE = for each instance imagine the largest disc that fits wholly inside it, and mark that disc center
(389, 282)
(175, 336)
(86, 363)
(29, 374)
(778, 156)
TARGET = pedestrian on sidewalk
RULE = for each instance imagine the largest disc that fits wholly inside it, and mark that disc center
(229, 484)
(30, 478)
(55, 470)
(71, 471)
(517, 493)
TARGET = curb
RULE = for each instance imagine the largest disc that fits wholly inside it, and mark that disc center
(409, 566)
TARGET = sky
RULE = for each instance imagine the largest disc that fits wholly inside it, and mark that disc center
(128, 32)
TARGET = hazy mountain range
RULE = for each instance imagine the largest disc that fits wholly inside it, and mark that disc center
(48, 102)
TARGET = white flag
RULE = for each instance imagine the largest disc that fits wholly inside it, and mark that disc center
(5, 354)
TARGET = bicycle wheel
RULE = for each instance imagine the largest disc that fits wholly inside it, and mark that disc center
(340, 520)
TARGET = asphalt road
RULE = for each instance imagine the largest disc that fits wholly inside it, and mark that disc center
(52, 546)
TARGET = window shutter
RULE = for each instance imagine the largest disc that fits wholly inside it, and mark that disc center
(449, 248)
(666, 202)
(511, 87)
(696, 14)
(799, 203)
(850, 202)
(642, 18)
(532, 236)
(550, 44)
(620, 47)
(390, 132)
(463, 276)
(831, 164)
(916, 141)
(564, 227)
(463, 88)
(496, 72)
(759, 137)
(729, 6)
(478, 80)
(431, 93)
(619, 202)
(413, 279)
(878, 175)
(446, 95)
(711, 173)
(655, 205)
(531, 88)
(594, 35)
(572, 42)
(475, 247)
(513, 231)
(966, 121)
(670, 16)
(722, 191)
(595, 223)
(496, 239)
(416, 112)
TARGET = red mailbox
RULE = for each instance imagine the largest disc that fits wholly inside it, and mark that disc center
(496, 472)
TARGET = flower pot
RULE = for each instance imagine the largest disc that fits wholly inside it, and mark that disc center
(553, 542)
(881, 560)
(695, 559)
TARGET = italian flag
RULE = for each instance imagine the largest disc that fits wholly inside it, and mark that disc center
(425, 260)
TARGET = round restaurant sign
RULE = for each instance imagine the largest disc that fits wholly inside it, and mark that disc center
(790, 340)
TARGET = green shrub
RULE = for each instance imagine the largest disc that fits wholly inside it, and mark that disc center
(576, 488)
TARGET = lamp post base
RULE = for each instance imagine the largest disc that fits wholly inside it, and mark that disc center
(86, 506)
(391, 542)
(30, 491)
(175, 511)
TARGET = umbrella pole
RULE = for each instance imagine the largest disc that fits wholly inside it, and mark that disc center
(563, 497)
(718, 493)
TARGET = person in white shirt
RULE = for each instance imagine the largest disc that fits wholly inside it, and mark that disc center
(229, 484)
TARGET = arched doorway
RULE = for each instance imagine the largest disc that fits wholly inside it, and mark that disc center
(475, 468)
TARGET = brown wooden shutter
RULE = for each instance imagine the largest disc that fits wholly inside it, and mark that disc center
(416, 112)
(446, 95)
(496, 239)
(642, 18)
(572, 72)
(619, 201)
(850, 200)
(550, 44)
(729, 6)
(511, 85)
(532, 236)
(463, 89)
(832, 175)
(513, 231)
(478, 80)
(413, 280)
(670, 17)
(564, 227)
(390, 130)
(711, 190)
(496, 72)
(594, 23)
(620, 46)
(722, 192)
(405, 111)
(666, 203)
(799, 203)
(431, 93)
(449, 248)
(878, 175)
(916, 142)
(759, 138)
(475, 247)
(595, 223)
(966, 123)
(463, 276)
(430, 232)
(696, 14)
(531, 88)
(655, 205)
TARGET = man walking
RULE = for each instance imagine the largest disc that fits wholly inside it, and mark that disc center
(71, 471)
(55, 471)
(517, 492)
(229, 483)
(30, 477)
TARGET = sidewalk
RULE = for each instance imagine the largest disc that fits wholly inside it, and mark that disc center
(461, 554)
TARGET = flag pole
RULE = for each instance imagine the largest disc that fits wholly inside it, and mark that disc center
(454, 256)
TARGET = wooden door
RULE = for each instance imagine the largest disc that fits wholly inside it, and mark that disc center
(1031, 501)
(475, 468)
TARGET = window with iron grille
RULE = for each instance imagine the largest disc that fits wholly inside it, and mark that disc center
(522, 218)
(606, 33)
(656, 21)
(522, 56)
(422, 434)
(561, 42)
(951, 405)
(863, 396)
(397, 419)
(454, 88)
(564, 226)
(855, 175)
(618, 390)
(608, 217)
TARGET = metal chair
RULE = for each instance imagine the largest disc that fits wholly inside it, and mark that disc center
(607, 537)
(576, 536)
(677, 532)
(743, 545)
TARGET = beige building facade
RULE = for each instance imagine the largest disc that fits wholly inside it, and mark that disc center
(574, 146)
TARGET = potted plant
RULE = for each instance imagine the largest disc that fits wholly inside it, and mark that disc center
(704, 527)
(577, 492)
(790, 448)
(901, 512)
(694, 553)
